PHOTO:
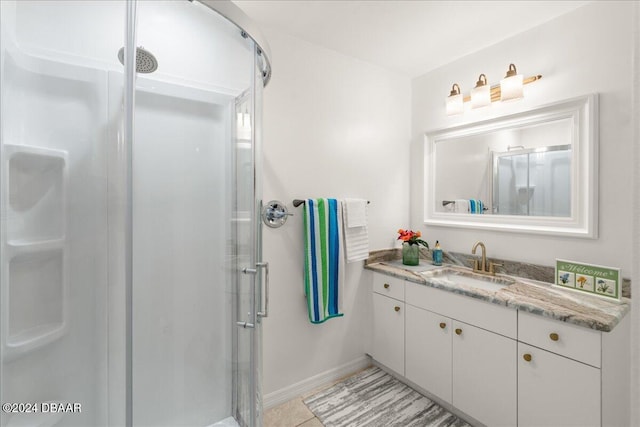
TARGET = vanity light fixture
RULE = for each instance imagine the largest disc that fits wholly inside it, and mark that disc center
(510, 88)
(481, 94)
(512, 84)
(455, 101)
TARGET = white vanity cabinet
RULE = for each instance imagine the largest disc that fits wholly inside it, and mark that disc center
(472, 368)
(484, 375)
(556, 391)
(499, 365)
(428, 351)
(388, 322)
(570, 375)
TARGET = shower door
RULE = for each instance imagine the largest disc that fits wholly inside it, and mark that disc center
(195, 234)
(248, 268)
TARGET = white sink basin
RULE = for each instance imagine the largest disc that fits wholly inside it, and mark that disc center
(467, 278)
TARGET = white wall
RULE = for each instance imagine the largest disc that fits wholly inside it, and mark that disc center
(585, 51)
(336, 127)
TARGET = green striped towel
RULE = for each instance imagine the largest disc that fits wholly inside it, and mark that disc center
(323, 261)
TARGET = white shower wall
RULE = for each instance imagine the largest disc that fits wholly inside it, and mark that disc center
(194, 45)
(54, 271)
(182, 349)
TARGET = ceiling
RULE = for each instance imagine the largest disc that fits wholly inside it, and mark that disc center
(410, 37)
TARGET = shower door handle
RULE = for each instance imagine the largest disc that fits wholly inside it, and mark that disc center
(264, 313)
(246, 325)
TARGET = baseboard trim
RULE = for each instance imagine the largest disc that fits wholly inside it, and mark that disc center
(305, 386)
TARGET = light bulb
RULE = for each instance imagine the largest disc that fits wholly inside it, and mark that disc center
(481, 94)
(511, 87)
(455, 101)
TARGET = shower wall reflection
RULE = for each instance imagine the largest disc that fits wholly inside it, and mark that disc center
(533, 182)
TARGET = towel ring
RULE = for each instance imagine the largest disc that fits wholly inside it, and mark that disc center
(275, 214)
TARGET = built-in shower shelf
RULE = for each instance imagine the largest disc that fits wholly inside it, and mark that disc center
(34, 311)
(10, 149)
(36, 336)
(36, 192)
(34, 266)
(19, 246)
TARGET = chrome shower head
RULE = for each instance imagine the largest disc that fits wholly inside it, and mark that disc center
(145, 61)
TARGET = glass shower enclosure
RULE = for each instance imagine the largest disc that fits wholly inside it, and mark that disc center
(533, 182)
(131, 285)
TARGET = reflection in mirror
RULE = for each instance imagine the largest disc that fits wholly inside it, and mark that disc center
(521, 170)
(534, 171)
(533, 181)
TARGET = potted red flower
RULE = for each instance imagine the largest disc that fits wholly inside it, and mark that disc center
(411, 241)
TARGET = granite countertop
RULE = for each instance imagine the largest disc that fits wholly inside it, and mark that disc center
(528, 295)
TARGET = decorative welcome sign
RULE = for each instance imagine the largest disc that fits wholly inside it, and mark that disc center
(593, 279)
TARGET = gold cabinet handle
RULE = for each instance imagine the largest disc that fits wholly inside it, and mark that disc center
(386, 286)
(554, 336)
(396, 308)
(527, 357)
(443, 325)
(458, 331)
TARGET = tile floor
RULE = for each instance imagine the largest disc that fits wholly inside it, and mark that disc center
(295, 413)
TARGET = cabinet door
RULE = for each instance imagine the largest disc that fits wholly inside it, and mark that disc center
(428, 351)
(484, 375)
(388, 332)
(556, 391)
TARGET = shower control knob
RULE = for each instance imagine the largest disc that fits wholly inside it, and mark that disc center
(275, 214)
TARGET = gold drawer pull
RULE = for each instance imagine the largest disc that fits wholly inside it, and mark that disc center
(396, 308)
(443, 325)
(386, 286)
(458, 331)
(554, 336)
(527, 357)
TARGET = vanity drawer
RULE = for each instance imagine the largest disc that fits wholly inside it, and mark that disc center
(483, 314)
(388, 286)
(576, 342)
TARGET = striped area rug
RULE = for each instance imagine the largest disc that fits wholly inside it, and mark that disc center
(374, 398)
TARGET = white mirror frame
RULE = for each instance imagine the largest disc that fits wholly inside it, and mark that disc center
(583, 112)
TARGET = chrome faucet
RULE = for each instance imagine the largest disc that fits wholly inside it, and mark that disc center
(481, 267)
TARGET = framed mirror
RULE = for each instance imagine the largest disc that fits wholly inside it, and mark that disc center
(533, 172)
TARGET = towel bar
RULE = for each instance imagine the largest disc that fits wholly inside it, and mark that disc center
(298, 202)
(444, 203)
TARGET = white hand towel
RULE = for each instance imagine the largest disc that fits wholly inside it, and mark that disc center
(356, 213)
(356, 239)
(462, 205)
